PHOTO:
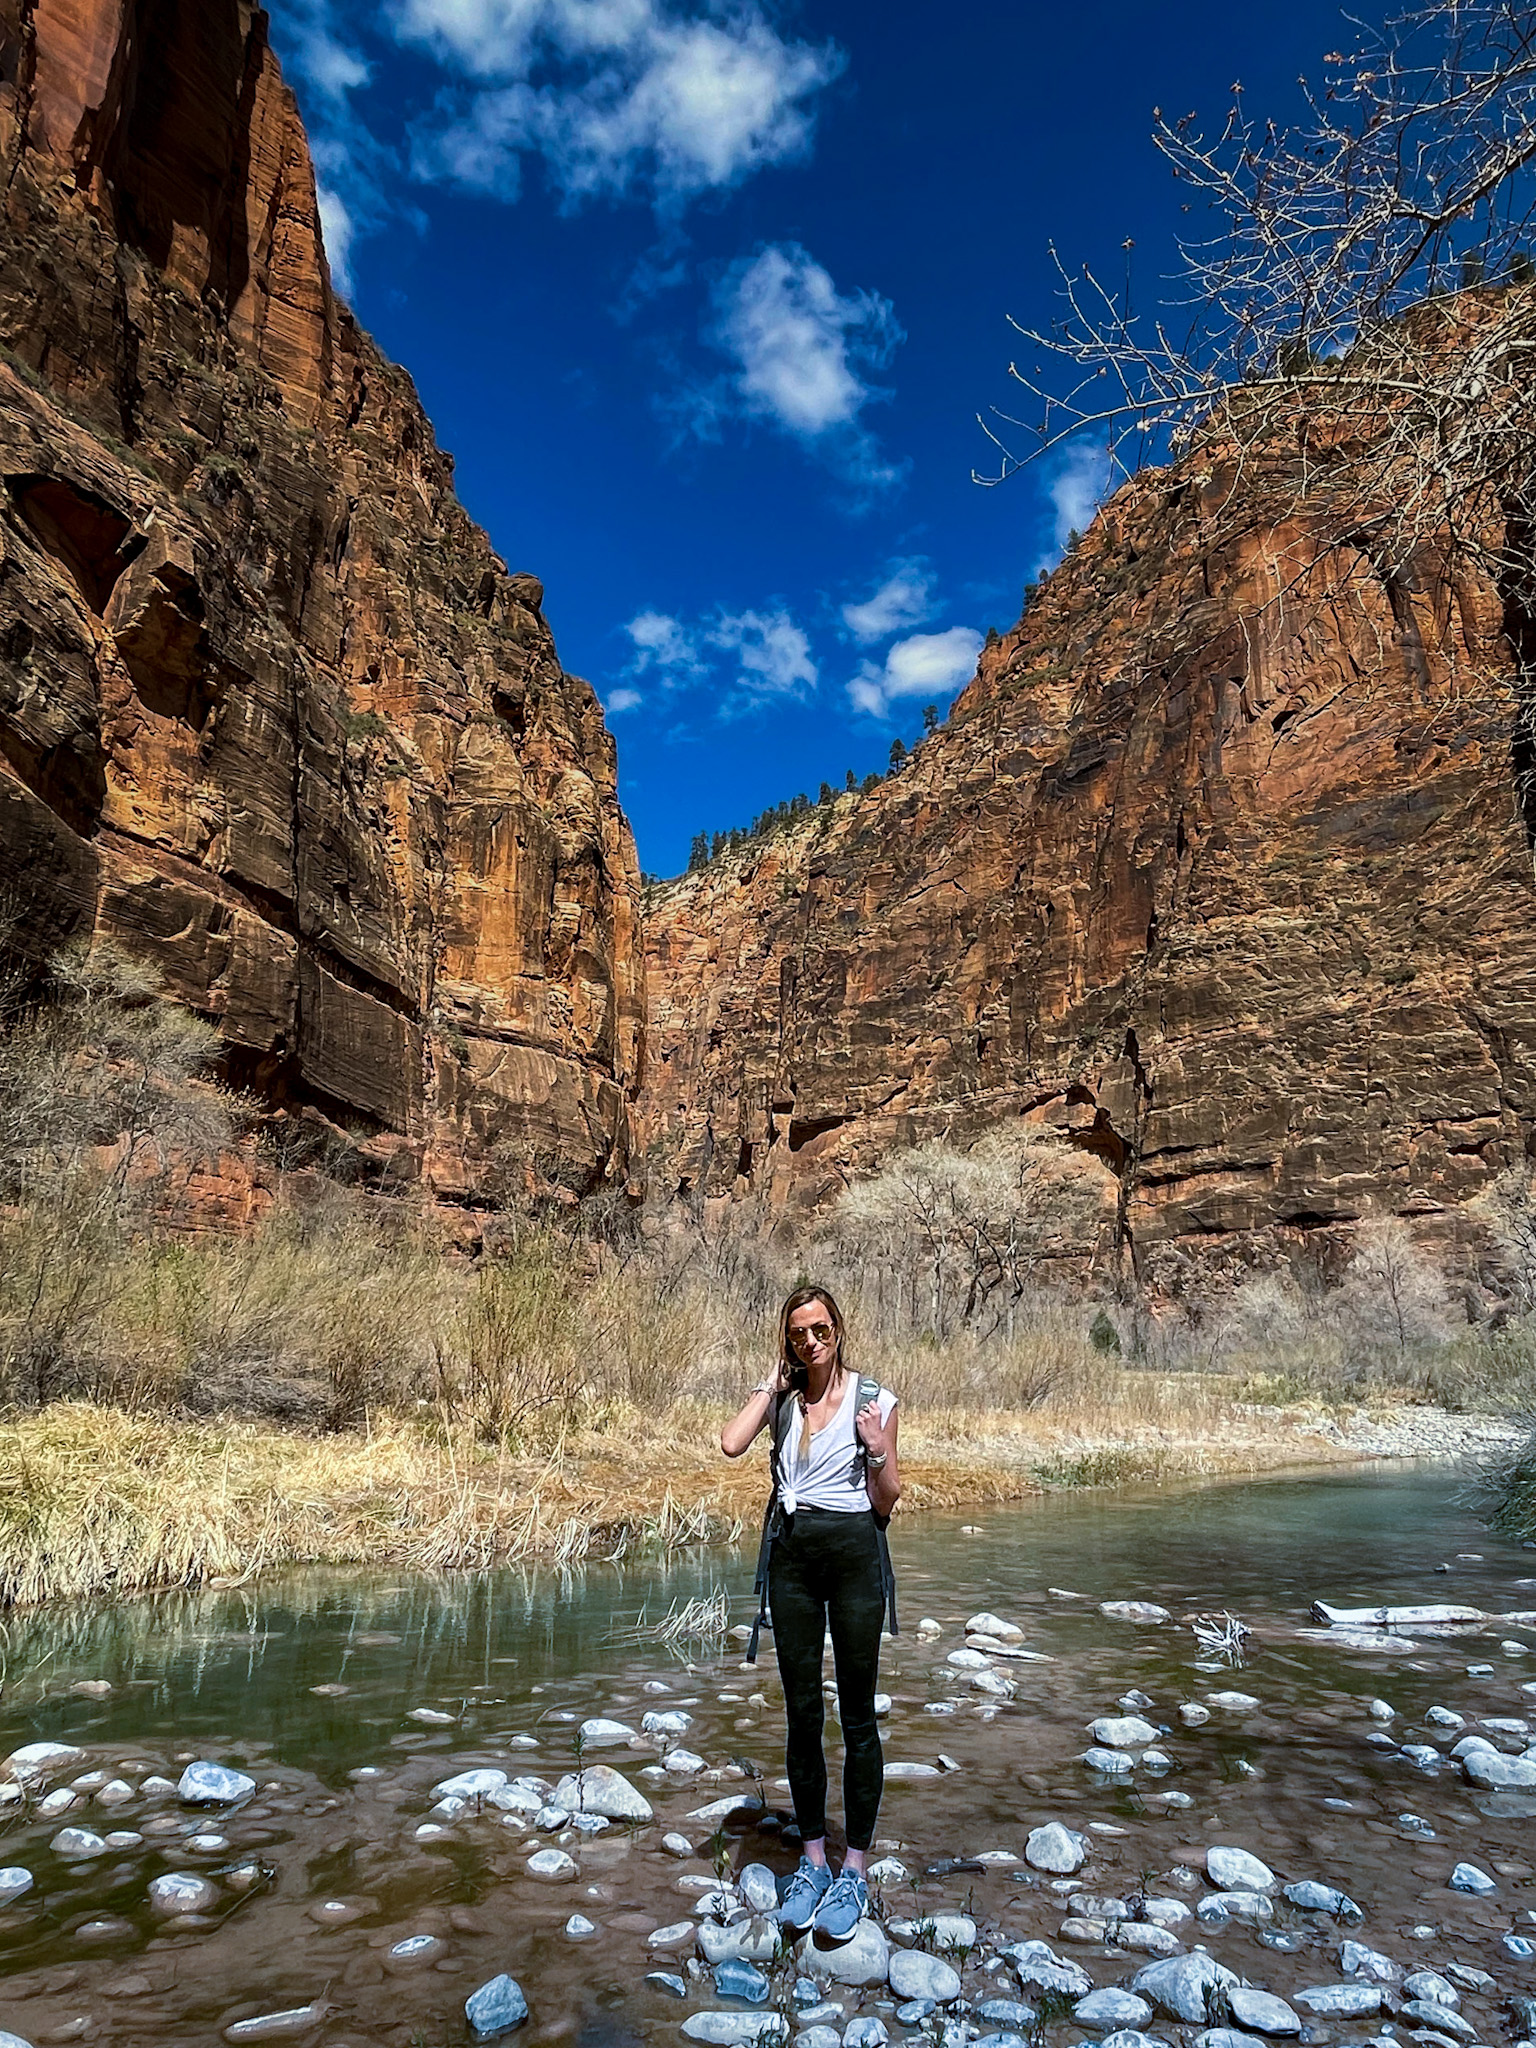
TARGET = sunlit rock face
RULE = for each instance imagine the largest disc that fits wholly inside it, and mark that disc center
(271, 710)
(1218, 867)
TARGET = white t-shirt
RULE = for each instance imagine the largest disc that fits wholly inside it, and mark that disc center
(824, 1478)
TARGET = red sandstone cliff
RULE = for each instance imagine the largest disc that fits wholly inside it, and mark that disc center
(1218, 865)
(271, 709)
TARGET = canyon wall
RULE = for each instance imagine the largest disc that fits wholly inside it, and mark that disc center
(272, 711)
(1218, 867)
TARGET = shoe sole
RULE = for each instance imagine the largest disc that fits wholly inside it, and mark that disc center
(825, 1939)
(795, 1926)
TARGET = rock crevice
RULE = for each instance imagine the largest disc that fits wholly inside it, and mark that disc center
(271, 709)
(1218, 867)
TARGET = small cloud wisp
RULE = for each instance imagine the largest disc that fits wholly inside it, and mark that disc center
(923, 665)
(905, 598)
(769, 652)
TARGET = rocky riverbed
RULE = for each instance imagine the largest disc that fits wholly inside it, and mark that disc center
(1094, 1831)
(1419, 1432)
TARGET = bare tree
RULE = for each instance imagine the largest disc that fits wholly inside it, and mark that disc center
(958, 1236)
(1393, 1294)
(1356, 325)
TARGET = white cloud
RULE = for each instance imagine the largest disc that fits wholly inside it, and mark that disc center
(351, 167)
(799, 350)
(338, 228)
(795, 341)
(865, 692)
(923, 665)
(769, 654)
(905, 598)
(1076, 487)
(666, 645)
(489, 38)
(773, 654)
(614, 93)
(623, 699)
(330, 65)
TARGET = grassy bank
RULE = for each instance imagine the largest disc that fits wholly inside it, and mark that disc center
(197, 1384)
(95, 1500)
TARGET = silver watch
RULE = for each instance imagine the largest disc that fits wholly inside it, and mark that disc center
(875, 1460)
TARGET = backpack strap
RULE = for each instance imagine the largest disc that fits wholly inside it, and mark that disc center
(869, 1390)
(780, 1416)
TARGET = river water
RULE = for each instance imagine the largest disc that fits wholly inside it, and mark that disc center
(309, 1681)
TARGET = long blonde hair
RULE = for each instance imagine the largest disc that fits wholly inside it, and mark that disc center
(802, 1298)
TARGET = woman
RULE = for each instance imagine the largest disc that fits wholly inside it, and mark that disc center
(835, 1473)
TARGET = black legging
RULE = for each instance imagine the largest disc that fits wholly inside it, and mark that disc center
(825, 1573)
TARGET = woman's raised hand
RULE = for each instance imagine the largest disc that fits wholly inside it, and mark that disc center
(869, 1426)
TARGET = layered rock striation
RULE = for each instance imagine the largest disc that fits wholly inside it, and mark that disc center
(272, 711)
(1219, 866)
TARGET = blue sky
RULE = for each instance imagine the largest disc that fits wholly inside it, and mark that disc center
(705, 300)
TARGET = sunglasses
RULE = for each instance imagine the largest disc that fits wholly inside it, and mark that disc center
(817, 1333)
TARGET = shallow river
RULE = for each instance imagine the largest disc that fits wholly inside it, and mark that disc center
(309, 1682)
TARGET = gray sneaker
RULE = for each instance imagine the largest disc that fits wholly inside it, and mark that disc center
(802, 1895)
(843, 1908)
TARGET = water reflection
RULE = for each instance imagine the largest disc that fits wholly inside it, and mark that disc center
(314, 1681)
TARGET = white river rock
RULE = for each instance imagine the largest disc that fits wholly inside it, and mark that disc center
(864, 1960)
(990, 1625)
(600, 1733)
(752, 1940)
(1114, 1763)
(181, 1891)
(36, 1762)
(280, 2026)
(1261, 2012)
(468, 1785)
(601, 1789)
(1341, 2001)
(1254, 1909)
(1055, 1848)
(78, 1844)
(208, 1784)
(1112, 2007)
(735, 2029)
(1122, 1731)
(913, 1974)
(1236, 1870)
(1178, 1984)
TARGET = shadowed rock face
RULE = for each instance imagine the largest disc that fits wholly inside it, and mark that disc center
(1218, 866)
(271, 709)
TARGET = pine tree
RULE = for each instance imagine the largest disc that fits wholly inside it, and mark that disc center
(827, 793)
(852, 781)
(698, 853)
(930, 719)
(898, 754)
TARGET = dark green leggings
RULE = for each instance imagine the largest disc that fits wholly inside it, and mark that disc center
(825, 1574)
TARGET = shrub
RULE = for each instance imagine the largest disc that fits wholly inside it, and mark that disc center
(1504, 1492)
(953, 1239)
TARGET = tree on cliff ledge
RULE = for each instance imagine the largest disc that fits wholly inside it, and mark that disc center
(1361, 326)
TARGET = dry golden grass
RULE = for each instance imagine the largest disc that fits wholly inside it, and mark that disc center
(562, 1396)
(98, 1500)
